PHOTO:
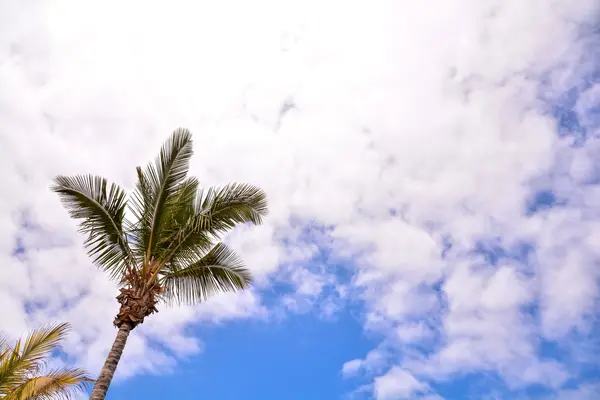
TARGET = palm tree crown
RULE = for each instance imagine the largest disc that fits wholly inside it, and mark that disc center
(168, 248)
(22, 372)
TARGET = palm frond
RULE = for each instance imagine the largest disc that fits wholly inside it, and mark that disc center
(220, 270)
(102, 208)
(181, 210)
(40, 343)
(28, 357)
(191, 240)
(55, 385)
(182, 205)
(157, 185)
(188, 231)
(12, 371)
(215, 211)
(232, 204)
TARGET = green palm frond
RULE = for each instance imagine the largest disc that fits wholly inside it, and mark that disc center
(232, 204)
(220, 270)
(192, 239)
(155, 193)
(139, 228)
(182, 206)
(209, 214)
(102, 208)
(54, 385)
(181, 214)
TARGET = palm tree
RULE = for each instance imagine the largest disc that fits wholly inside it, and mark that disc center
(21, 366)
(169, 248)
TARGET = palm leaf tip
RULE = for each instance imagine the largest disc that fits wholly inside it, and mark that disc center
(156, 189)
(40, 343)
(232, 204)
(80, 192)
(173, 160)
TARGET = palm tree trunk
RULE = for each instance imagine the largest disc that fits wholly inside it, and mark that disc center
(108, 370)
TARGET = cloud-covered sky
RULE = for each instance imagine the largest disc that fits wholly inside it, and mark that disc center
(432, 170)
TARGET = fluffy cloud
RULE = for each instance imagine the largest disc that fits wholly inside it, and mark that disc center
(415, 134)
(397, 383)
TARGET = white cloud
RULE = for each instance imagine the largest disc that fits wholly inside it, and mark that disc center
(413, 332)
(398, 384)
(588, 107)
(373, 363)
(410, 125)
(351, 367)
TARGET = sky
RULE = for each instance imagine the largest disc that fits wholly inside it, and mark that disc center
(433, 180)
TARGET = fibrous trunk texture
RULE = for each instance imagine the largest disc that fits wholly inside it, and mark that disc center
(110, 366)
(134, 309)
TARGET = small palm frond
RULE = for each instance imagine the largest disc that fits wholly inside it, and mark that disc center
(220, 270)
(28, 357)
(155, 191)
(12, 371)
(102, 209)
(40, 343)
(232, 204)
(55, 385)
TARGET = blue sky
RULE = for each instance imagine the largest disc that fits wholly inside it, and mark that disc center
(434, 191)
(296, 359)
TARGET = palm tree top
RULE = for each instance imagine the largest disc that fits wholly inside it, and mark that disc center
(169, 241)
